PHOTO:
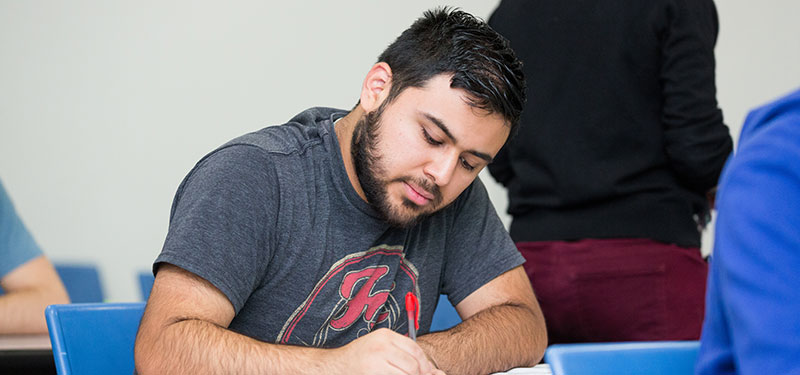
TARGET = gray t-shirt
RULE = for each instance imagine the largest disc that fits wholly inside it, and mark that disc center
(272, 221)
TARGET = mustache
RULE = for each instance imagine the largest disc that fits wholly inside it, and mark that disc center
(425, 184)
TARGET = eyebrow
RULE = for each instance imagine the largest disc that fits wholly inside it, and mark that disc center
(447, 133)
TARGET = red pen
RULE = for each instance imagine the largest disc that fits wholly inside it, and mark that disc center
(412, 310)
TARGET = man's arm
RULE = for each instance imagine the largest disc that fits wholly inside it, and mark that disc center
(29, 289)
(184, 331)
(503, 328)
(696, 140)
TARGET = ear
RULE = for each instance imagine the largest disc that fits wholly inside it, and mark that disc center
(376, 86)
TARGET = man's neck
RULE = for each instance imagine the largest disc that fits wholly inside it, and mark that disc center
(344, 129)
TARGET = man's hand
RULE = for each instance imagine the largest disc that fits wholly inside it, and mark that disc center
(382, 352)
(503, 327)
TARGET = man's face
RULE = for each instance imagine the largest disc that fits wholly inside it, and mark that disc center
(415, 155)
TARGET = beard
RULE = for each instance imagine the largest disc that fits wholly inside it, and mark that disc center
(371, 172)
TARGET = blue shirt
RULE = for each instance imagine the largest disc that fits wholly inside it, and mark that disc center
(752, 323)
(16, 243)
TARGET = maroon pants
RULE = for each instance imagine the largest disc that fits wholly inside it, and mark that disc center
(617, 289)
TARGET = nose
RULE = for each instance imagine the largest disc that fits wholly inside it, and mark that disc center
(441, 167)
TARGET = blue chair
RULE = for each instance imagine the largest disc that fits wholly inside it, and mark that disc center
(146, 280)
(625, 358)
(94, 338)
(82, 282)
(445, 315)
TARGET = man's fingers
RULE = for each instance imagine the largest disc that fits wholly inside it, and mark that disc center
(405, 362)
(405, 344)
(403, 353)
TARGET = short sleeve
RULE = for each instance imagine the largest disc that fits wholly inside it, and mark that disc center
(223, 221)
(16, 244)
(478, 248)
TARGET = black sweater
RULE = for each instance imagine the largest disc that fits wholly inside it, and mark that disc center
(621, 136)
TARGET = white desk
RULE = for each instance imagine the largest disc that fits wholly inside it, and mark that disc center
(541, 369)
(24, 342)
(40, 345)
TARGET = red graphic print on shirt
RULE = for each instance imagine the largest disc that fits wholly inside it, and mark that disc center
(365, 302)
(355, 295)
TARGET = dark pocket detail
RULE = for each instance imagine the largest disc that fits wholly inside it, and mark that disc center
(622, 304)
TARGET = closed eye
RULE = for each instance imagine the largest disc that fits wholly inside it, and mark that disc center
(428, 137)
(467, 165)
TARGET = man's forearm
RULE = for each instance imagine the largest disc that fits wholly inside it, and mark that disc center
(496, 339)
(197, 347)
(22, 312)
(184, 331)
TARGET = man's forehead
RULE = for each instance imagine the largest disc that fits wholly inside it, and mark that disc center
(477, 105)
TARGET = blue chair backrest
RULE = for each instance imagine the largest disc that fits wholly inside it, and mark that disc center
(82, 282)
(626, 358)
(445, 315)
(146, 280)
(94, 338)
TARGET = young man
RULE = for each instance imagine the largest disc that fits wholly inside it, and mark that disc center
(291, 249)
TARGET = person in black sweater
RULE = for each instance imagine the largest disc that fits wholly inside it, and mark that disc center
(608, 180)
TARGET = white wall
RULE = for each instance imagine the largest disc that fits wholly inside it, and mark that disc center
(106, 105)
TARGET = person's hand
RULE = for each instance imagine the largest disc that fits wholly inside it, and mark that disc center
(382, 352)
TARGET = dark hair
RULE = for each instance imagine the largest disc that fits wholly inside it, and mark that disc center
(448, 40)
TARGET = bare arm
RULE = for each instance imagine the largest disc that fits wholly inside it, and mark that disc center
(184, 331)
(29, 289)
(503, 328)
